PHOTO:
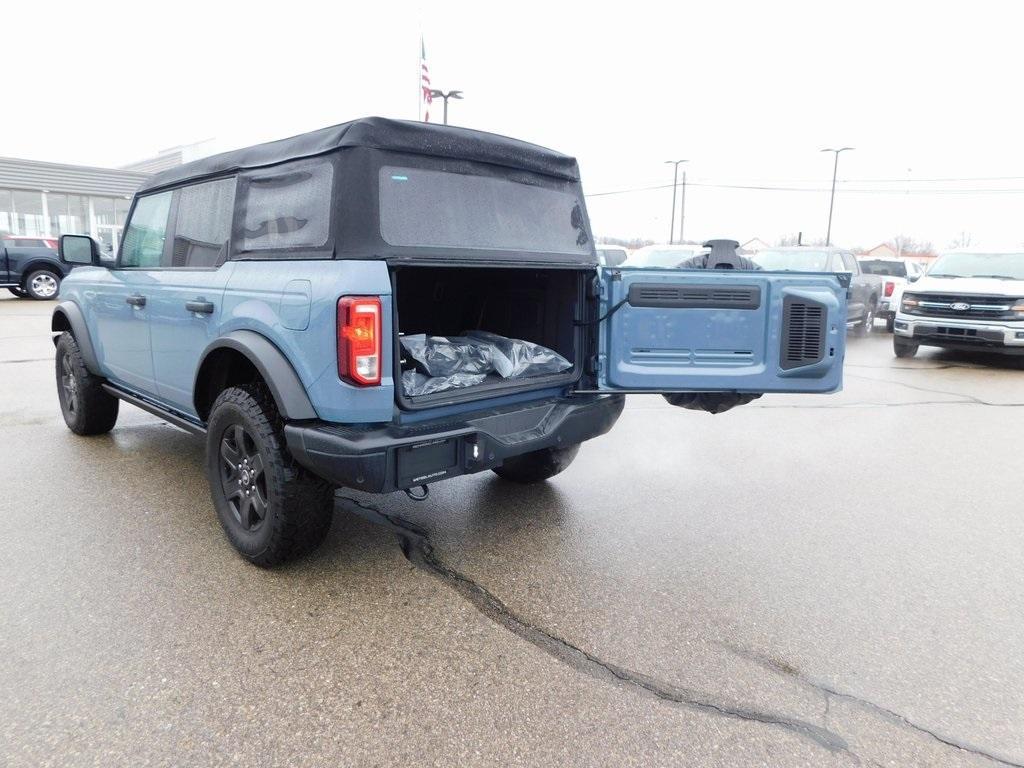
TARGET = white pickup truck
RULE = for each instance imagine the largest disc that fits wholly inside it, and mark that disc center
(967, 300)
(895, 274)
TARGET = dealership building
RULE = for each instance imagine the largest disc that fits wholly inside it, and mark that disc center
(40, 199)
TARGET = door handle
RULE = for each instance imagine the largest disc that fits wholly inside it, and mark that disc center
(202, 307)
(136, 300)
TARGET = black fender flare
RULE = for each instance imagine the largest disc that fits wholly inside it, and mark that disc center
(281, 378)
(68, 316)
(48, 264)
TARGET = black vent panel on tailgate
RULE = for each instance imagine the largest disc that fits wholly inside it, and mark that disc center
(694, 296)
(803, 333)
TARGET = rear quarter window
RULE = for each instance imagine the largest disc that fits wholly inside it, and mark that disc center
(287, 207)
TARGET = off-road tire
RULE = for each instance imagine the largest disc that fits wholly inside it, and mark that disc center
(87, 409)
(537, 466)
(35, 282)
(297, 506)
(903, 348)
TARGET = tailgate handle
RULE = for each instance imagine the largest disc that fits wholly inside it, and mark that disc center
(136, 300)
(202, 307)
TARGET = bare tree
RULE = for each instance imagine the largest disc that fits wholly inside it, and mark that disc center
(631, 242)
(788, 240)
(904, 244)
(963, 240)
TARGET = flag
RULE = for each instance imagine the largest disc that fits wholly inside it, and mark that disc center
(427, 99)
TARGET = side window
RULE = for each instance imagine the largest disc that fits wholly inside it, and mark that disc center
(143, 242)
(202, 226)
(836, 264)
(851, 263)
(288, 206)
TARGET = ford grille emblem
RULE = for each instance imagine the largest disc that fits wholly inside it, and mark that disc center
(960, 306)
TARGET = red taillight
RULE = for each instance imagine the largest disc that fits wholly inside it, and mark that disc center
(359, 339)
(890, 286)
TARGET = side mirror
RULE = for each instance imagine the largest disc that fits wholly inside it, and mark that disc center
(78, 249)
(913, 278)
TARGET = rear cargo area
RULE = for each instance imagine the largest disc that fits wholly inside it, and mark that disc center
(534, 305)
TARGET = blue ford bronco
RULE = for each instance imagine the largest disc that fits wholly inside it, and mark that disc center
(267, 298)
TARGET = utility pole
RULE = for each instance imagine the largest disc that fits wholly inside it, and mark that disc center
(442, 95)
(832, 199)
(675, 179)
(682, 209)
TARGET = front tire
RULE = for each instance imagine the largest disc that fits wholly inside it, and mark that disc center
(19, 292)
(87, 409)
(537, 466)
(42, 285)
(271, 509)
(903, 348)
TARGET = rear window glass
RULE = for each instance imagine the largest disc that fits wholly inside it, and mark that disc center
(289, 207)
(888, 268)
(437, 209)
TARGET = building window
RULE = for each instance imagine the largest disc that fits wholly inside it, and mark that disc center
(103, 210)
(57, 209)
(77, 222)
(28, 213)
(6, 212)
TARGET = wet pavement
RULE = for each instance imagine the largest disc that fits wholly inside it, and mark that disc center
(805, 580)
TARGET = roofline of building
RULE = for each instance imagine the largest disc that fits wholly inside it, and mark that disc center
(72, 167)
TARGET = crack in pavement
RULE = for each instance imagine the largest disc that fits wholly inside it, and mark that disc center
(789, 671)
(840, 406)
(418, 550)
(941, 367)
(965, 397)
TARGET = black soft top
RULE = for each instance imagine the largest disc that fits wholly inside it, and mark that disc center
(380, 133)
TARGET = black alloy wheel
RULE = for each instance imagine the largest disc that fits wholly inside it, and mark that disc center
(243, 479)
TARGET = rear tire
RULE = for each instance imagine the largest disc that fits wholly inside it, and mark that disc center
(865, 326)
(42, 285)
(903, 348)
(537, 466)
(87, 409)
(271, 509)
(890, 324)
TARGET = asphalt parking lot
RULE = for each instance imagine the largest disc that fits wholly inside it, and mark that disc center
(805, 580)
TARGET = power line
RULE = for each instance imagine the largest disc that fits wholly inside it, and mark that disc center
(818, 190)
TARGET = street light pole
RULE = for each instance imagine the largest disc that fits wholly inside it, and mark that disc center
(832, 199)
(675, 180)
(435, 94)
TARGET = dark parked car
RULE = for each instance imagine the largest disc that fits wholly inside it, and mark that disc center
(862, 304)
(33, 270)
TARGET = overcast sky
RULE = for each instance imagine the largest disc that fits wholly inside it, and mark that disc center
(748, 92)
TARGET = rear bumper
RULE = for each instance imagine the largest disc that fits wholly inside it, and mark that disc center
(961, 334)
(381, 459)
